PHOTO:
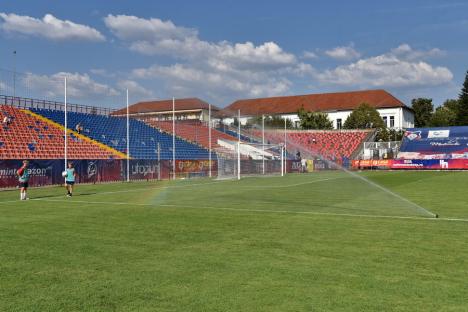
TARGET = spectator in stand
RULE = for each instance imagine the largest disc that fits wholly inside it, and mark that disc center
(23, 179)
(79, 128)
(7, 120)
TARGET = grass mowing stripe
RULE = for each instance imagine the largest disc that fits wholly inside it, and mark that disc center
(184, 186)
(258, 210)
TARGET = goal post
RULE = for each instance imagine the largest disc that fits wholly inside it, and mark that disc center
(241, 159)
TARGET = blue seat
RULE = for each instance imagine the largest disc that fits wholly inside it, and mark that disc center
(144, 139)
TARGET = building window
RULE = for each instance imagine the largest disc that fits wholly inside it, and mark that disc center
(392, 121)
(385, 120)
(338, 124)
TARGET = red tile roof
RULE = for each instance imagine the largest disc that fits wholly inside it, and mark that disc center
(313, 102)
(166, 105)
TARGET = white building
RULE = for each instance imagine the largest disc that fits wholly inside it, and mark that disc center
(338, 106)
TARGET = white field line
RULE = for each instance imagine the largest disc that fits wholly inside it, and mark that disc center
(259, 210)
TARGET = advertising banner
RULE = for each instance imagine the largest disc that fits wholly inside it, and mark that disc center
(370, 163)
(435, 143)
(49, 172)
(293, 166)
(435, 164)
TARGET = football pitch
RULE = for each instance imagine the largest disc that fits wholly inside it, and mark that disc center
(326, 241)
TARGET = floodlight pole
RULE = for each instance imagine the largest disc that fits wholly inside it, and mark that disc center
(128, 142)
(14, 75)
(282, 160)
(209, 139)
(238, 145)
(65, 123)
(238, 161)
(159, 162)
(285, 139)
(238, 125)
(173, 140)
(263, 144)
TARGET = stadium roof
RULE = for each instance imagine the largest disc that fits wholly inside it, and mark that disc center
(166, 106)
(314, 102)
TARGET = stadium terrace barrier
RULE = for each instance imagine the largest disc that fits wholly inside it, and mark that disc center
(412, 164)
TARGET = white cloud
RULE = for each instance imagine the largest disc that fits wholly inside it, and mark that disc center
(183, 80)
(386, 70)
(219, 69)
(407, 52)
(3, 88)
(79, 86)
(343, 53)
(103, 73)
(154, 36)
(135, 29)
(48, 27)
(309, 55)
(224, 70)
(135, 90)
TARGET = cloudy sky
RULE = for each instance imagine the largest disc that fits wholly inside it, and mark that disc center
(221, 51)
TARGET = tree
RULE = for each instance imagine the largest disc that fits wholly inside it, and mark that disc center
(314, 120)
(422, 108)
(364, 117)
(389, 134)
(445, 115)
(462, 114)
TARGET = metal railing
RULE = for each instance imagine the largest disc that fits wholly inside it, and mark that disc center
(26, 103)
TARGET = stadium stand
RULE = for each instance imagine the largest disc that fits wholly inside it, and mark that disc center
(233, 133)
(28, 136)
(325, 143)
(111, 131)
(330, 144)
(193, 131)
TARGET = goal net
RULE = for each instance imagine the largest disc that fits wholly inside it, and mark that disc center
(241, 159)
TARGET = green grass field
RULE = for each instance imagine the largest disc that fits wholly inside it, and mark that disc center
(323, 241)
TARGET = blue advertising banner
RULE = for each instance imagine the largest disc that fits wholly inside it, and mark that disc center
(435, 143)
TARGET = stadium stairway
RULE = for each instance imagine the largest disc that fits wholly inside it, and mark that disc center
(30, 136)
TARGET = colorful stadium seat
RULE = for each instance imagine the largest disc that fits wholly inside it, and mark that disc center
(193, 131)
(29, 137)
(144, 139)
